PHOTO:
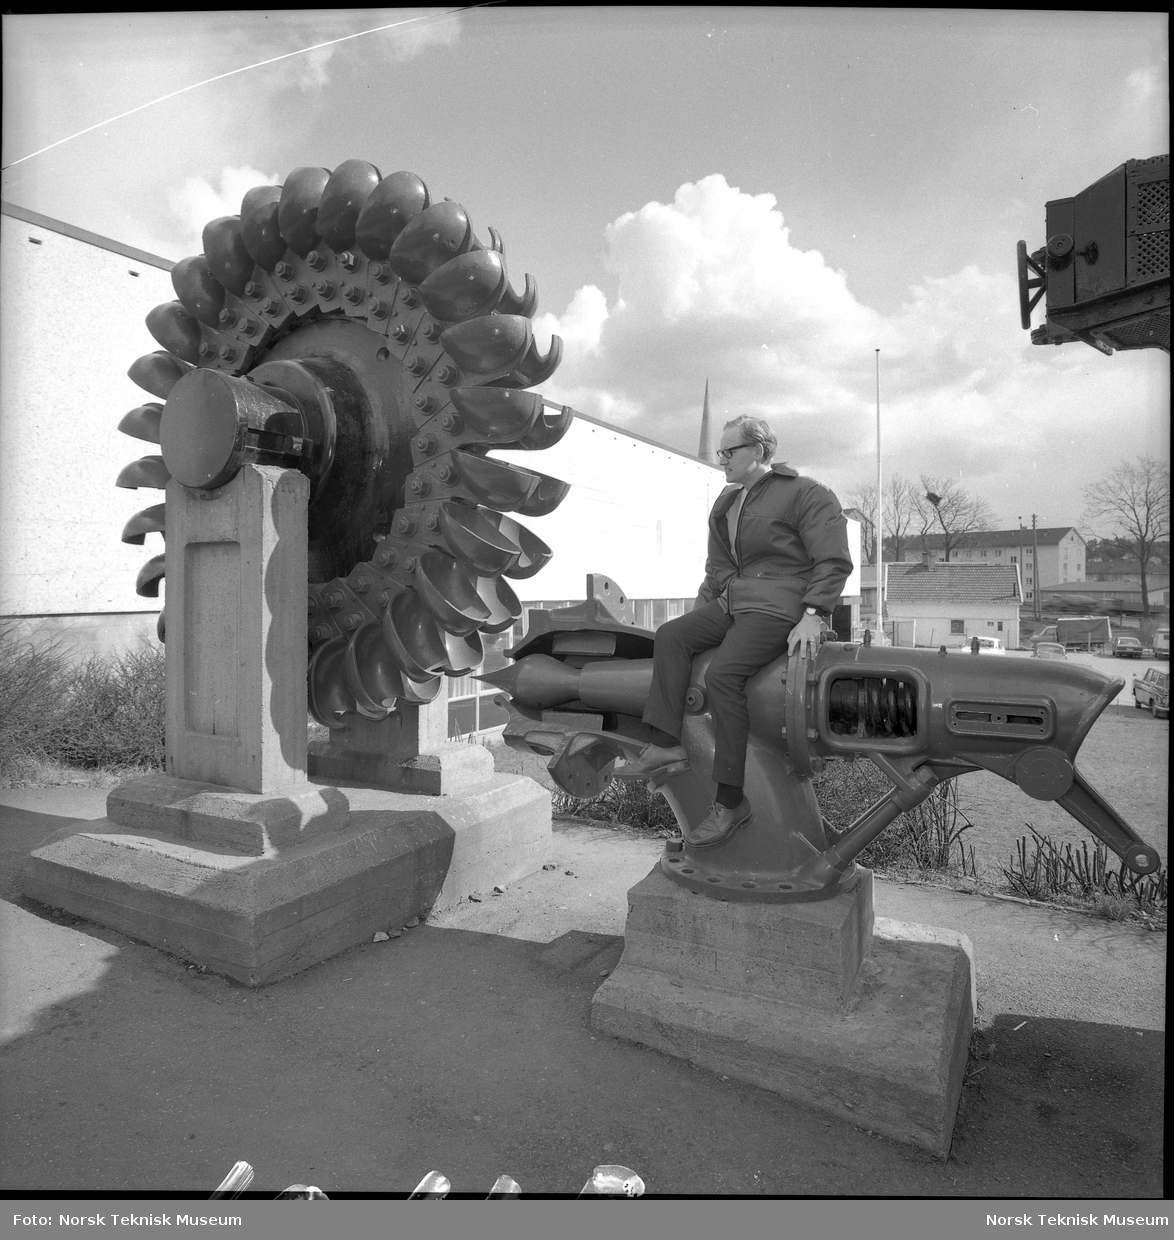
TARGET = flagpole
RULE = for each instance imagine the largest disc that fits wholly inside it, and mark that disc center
(880, 528)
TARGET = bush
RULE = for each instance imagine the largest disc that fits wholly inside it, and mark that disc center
(922, 840)
(625, 802)
(33, 682)
(1045, 871)
(105, 712)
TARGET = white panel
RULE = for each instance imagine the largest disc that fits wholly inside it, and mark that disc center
(71, 322)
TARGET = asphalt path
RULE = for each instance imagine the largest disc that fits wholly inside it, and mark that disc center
(465, 1045)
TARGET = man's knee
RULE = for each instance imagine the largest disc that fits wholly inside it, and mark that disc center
(723, 680)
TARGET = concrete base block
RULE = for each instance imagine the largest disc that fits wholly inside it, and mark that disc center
(740, 994)
(362, 860)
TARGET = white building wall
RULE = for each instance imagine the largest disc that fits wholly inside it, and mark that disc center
(979, 620)
(71, 322)
(636, 511)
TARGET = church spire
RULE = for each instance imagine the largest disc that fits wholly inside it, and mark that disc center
(705, 443)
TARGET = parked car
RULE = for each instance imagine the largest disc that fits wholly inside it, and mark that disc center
(1047, 634)
(1162, 644)
(1048, 650)
(1153, 690)
(1126, 648)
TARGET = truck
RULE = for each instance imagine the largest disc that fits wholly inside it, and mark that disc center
(1077, 633)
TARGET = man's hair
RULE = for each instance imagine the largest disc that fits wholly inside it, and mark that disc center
(756, 430)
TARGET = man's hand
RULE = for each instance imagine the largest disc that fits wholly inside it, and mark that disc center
(805, 636)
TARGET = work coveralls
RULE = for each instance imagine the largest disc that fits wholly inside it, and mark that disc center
(790, 552)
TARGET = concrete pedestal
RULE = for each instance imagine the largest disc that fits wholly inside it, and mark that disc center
(809, 1000)
(258, 887)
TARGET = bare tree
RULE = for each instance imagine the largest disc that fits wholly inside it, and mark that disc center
(863, 499)
(899, 516)
(943, 502)
(1132, 501)
(900, 513)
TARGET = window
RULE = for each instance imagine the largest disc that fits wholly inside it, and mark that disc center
(957, 626)
(983, 552)
(1014, 559)
(1000, 626)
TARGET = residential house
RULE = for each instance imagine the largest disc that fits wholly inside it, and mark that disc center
(1061, 553)
(933, 603)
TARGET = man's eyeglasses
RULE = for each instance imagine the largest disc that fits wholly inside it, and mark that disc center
(724, 454)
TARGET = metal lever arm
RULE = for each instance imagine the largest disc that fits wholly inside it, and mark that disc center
(1091, 810)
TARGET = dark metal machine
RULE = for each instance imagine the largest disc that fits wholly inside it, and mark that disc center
(1105, 270)
(580, 679)
(352, 326)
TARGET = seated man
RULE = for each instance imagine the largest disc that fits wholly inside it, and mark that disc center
(777, 561)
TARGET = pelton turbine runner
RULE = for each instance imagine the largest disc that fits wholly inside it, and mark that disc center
(349, 325)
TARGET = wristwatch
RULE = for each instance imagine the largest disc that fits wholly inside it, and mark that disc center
(811, 611)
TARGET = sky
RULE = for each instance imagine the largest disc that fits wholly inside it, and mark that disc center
(760, 198)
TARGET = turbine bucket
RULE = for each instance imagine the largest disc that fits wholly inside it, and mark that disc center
(495, 483)
(535, 553)
(421, 692)
(142, 422)
(475, 540)
(489, 346)
(439, 233)
(416, 644)
(349, 187)
(527, 303)
(147, 582)
(330, 699)
(147, 471)
(545, 498)
(149, 521)
(534, 368)
(504, 608)
(260, 229)
(393, 204)
(157, 373)
(200, 293)
(449, 593)
(228, 258)
(371, 676)
(465, 287)
(497, 415)
(465, 653)
(547, 430)
(297, 211)
(175, 330)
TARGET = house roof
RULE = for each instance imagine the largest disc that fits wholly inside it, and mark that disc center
(952, 583)
(997, 538)
(81, 234)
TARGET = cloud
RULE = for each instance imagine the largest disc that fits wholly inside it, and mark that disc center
(410, 33)
(713, 286)
(196, 202)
